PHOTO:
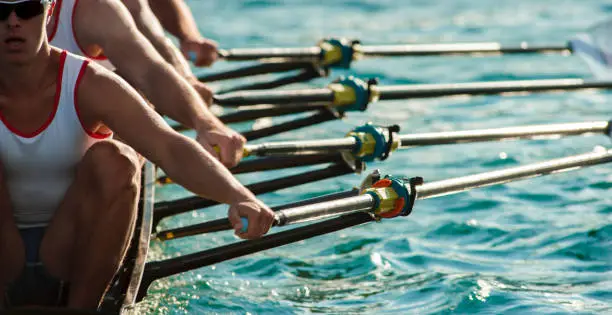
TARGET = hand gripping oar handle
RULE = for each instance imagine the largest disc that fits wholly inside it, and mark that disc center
(245, 225)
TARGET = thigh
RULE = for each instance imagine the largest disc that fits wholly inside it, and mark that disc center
(108, 167)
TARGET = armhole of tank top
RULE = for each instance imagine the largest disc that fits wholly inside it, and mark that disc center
(56, 16)
(58, 93)
(90, 133)
(76, 41)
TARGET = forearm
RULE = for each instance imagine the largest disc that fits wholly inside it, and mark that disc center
(172, 56)
(195, 169)
(150, 27)
(176, 18)
(172, 96)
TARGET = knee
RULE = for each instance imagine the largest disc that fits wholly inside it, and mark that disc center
(115, 166)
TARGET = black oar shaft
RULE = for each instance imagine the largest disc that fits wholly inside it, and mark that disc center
(262, 68)
(521, 132)
(321, 116)
(161, 269)
(266, 111)
(283, 162)
(484, 48)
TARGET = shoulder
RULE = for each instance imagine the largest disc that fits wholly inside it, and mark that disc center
(103, 21)
(99, 85)
(100, 12)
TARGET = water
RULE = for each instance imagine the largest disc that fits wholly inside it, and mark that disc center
(539, 246)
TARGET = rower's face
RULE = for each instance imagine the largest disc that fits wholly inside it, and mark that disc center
(23, 29)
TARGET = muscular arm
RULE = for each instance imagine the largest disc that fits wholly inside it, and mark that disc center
(150, 27)
(106, 98)
(108, 23)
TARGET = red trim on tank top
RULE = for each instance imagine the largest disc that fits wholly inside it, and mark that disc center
(100, 57)
(56, 16)
(95, 135)
(58, 92)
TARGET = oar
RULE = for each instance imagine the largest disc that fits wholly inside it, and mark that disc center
(339, 52)
(371, 140)
(368, 143)
(350, 94)
(387, 198)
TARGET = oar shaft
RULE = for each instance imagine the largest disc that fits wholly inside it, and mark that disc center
(244, 54)
(306, 146)
(484, 48)
(436, 49)
(486, 88)
(324, 210)
(275, 97)
(456, 185)
(521, 132)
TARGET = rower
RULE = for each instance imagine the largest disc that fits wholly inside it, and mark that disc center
(68, 191)
(105, 31)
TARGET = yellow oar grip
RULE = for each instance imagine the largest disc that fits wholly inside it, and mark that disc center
(245, 151)
(387, 198)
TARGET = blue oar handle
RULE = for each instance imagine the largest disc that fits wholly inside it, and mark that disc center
(245, 225)
(193, 56)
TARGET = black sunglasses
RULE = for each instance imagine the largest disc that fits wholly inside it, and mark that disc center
(24, 10)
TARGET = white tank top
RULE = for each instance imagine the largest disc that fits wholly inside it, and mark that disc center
(39, 167)
(62, 36)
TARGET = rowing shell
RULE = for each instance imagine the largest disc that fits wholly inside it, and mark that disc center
(121, 295)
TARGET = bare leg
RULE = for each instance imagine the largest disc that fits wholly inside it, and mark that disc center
(12, 250)
(89, 234)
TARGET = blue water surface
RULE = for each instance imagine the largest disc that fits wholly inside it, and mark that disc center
(540, 246)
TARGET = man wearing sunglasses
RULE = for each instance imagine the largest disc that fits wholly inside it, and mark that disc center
(68, 191)
(105, 31)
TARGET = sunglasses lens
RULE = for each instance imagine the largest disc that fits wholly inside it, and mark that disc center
(5, 10)
(24, 10)
(29, 9)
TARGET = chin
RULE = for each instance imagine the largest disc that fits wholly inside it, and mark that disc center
(17, 58)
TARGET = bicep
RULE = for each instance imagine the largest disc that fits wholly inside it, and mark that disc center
(106, 98)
